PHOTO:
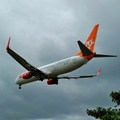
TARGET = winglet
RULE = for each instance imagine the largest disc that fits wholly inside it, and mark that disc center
(8, 44)
(98, 73)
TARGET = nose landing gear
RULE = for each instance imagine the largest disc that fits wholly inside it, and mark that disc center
(19, 86)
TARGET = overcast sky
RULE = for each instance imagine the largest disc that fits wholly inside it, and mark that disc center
(44, 31)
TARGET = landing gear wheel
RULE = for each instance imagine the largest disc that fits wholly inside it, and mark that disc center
(19, 86)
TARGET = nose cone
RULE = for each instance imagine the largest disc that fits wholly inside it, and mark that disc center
(17, 81)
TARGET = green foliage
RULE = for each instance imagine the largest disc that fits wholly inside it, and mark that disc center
(107, 113)
(115, 97)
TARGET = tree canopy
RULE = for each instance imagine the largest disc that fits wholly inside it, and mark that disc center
(111, 113)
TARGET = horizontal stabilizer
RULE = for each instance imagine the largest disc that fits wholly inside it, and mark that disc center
(102, 55)
(85, 51)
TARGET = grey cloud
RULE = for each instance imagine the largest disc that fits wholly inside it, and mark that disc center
(45, 31)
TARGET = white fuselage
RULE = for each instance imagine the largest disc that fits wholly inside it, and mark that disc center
(56, 68)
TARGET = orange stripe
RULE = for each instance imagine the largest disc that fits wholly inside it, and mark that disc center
(86, 57)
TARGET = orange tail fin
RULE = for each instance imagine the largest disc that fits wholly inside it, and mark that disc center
(90, 42)
(87, 49)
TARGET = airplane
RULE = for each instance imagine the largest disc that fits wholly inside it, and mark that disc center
(54, 71)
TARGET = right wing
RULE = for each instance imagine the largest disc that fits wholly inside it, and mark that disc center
(76, 77)
(23, 62)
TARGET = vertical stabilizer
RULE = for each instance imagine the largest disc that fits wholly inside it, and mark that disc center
(90, 42)
(88, 47)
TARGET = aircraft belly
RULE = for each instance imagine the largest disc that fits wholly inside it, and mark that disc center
(74, 63)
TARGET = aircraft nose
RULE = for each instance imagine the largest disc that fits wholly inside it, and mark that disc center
(16, 81)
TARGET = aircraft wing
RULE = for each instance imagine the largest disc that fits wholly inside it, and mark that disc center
(23, 62)
(76, 77)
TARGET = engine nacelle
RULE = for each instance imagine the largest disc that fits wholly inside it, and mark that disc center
(26, 75)
(52, 81)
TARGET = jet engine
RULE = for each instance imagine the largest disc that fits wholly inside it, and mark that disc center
(52, 81)
(27, 75)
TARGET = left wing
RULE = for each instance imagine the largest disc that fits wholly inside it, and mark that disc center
(76, 77)
(23, 62)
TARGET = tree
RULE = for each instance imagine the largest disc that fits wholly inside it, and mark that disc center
(107, 113)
